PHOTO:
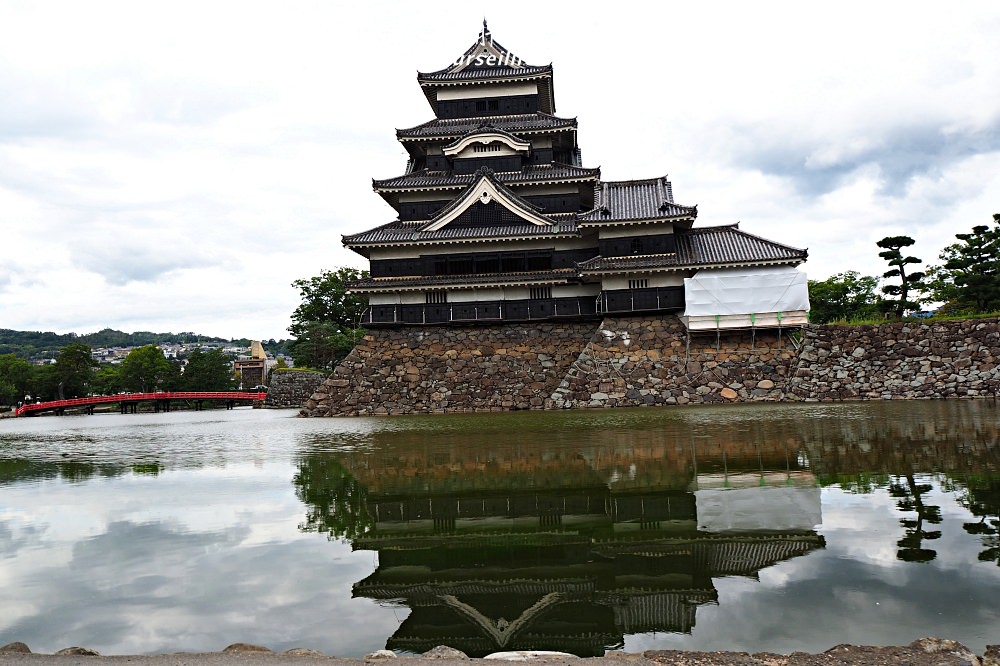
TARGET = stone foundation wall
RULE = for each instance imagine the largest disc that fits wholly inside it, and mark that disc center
(634, 361)
(291, 388)
(438, 369)
(630, 362)
(903, 360)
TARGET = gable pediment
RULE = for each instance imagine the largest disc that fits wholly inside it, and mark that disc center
(489, 203)
(484, 138)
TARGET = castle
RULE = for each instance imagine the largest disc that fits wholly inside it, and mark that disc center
(499, 221)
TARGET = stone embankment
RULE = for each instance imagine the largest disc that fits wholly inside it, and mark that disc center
(635, 361)
(420, 370)
(632, 362)
(948, 359)
(291, 388)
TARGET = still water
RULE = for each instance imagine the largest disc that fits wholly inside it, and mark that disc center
(773, 527)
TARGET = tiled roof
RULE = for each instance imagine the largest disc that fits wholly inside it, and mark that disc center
(729, 245)
(397, 232)
(486, 173)
(507, 64)
(557, 276)
(529, 174)
(709, 246)
(448, 128)
(652, 198)
(478, 73)
(638, 262)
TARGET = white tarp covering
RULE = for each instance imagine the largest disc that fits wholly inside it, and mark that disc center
(742, 509)
(741, 297)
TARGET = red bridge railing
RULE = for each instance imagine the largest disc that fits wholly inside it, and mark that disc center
(251, 396)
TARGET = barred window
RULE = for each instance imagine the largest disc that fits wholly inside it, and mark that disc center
(638, 284)
(541, 292)
(440, 296)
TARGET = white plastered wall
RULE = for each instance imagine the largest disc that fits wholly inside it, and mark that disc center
(491, 90)
(655, 280)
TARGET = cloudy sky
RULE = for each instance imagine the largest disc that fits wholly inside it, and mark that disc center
(175, 166)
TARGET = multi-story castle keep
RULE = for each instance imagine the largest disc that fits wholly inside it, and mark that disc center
(514, 277)
(499, 221)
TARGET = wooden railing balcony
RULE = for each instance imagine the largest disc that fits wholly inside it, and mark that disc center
(485, 312)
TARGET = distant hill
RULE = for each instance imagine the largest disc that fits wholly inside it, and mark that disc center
(35, 344)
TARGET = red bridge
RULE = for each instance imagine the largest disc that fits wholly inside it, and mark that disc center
(128, 402)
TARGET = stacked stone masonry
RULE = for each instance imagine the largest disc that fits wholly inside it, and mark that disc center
(635, 361)
(949, 359)
(291, 388)
(441, 369)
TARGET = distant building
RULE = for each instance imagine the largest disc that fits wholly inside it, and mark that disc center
(253, 369)
(498, 220)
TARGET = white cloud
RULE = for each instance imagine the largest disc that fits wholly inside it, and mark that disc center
(177, 167)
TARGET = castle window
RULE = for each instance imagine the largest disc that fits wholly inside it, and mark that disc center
(487, 147)
(636, 246)
(638, 284)
(538, 293)
(440, 296)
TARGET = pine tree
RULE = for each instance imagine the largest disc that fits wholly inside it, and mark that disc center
(913, 281)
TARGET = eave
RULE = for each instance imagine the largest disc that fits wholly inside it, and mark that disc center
(684, 268)
(422, 283)
(546, 91)
(598, 224)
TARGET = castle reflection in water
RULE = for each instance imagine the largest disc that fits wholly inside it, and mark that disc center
(571, 540)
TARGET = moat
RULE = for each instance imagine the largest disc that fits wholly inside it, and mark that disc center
(744, 527)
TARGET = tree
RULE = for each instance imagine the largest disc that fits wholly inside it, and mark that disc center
(969, 278)
(336, 502)
(75, 369)
(208, 371)
(844, 297)
(16, 378)
(326, 324)
(108, 380)
(145, 369)
(891, 252)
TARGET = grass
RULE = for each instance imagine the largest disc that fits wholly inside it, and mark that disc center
(956, 316)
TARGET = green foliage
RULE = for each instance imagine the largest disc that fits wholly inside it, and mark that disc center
(336, 503)
(326, 324)
(892, 246)
(75, 370)
(208, 371)
(146, 369)
(969, 277)
(108, 380)
(16, 379)
(35, 345)
(844, 297)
